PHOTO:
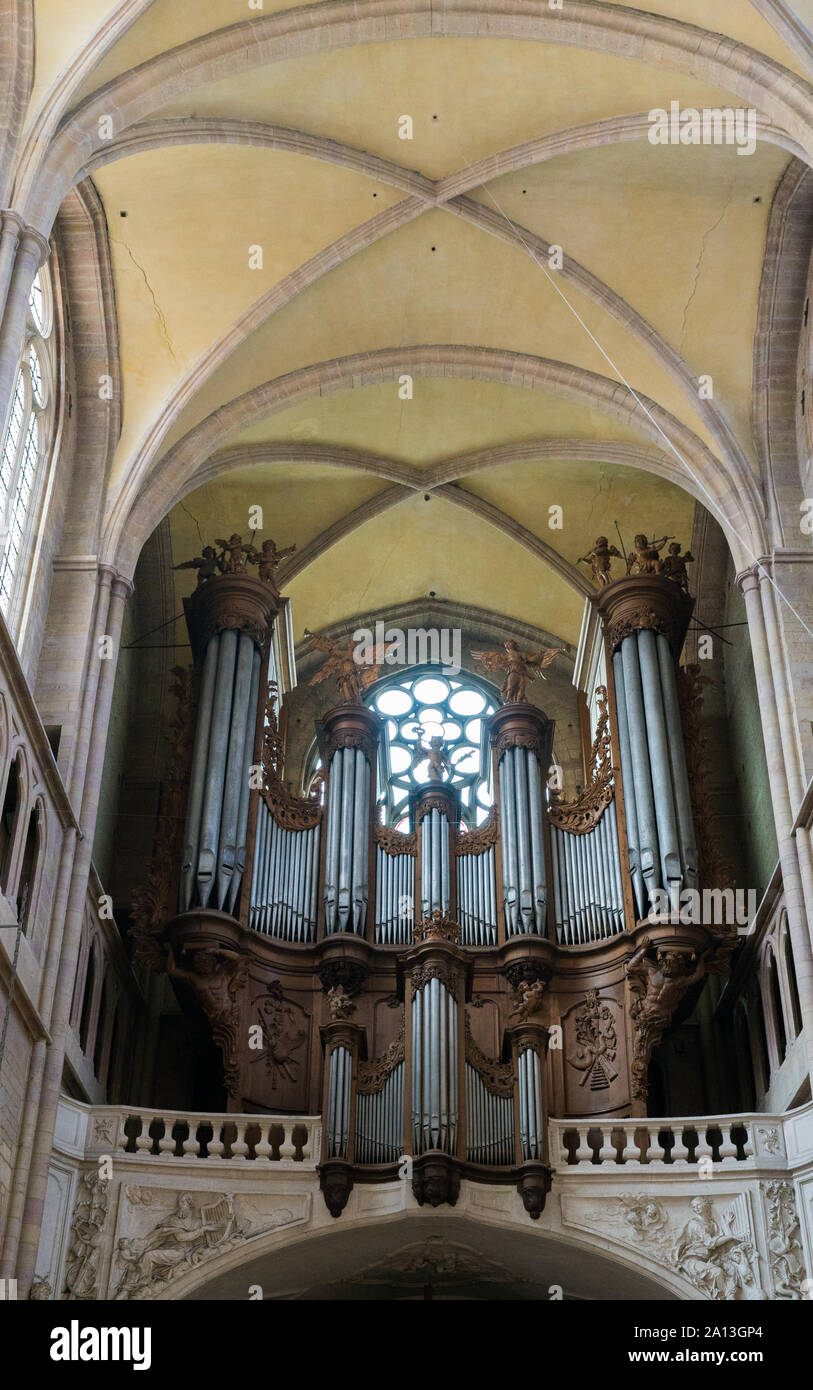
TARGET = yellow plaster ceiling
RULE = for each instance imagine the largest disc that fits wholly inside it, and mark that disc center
(445, 417)
(676, 234)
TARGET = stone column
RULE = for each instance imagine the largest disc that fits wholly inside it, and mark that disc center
(31, 251)
(800, 911)
(21, 1260)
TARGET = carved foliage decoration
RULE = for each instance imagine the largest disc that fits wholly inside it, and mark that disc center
(395, 842)
(289, 811)
(497, 1077)
(372, 1075)
(786, 1257)
(437, 927)
(634, 621)
(581, 815)
(479, 840)
(154, 903)
(435, 970)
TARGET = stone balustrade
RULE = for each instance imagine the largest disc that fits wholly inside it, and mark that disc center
(652, 1143)
(737, 1191)
(131, 1135)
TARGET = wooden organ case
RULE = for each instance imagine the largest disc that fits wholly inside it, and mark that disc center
(436, 995)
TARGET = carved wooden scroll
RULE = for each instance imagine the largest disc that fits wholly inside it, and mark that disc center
(373, 1075)
(497, 1077)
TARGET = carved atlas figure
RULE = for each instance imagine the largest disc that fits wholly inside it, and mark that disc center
(520, 667)
(351, 675)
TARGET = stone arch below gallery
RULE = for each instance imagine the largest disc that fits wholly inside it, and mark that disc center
(421, 1255)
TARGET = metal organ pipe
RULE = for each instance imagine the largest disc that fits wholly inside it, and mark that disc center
(248, 753)
(197, 777)
(234, 774)
(641, 773)
(677, 757)
(628, 776)
(216, 768)
(660, 764)
(434, 1068)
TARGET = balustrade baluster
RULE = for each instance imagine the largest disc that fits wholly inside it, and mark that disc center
(606, 1153)
(144, 1141)
(190, 1144)
(239, 1147)
(166, 1144)
(263, 1148)
(680, 1153)
(287, 1148)
(728, 1149)
(584, 1153)
(630, 1152)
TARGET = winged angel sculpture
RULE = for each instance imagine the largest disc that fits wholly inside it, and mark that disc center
(352, 676)
(520, 667)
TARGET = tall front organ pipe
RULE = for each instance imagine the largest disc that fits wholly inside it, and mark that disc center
(229, 620)
(645, 618)
(350, 734)
(520, 734)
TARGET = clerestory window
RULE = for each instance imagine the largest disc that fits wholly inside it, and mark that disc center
(27, 444)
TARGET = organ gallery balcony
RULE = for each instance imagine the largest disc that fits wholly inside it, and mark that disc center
(707, 1207)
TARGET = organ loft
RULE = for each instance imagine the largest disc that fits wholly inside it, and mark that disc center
(437, 992)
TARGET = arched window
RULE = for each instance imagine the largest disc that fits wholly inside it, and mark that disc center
(778, 1012)
(424, 704)
(27, 443)
(8, 816)
(98, 1046)
(793, 984)
(87, 1001)
(28, 871)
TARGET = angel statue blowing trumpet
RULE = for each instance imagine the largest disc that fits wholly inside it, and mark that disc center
(352, 676)
(520, 667)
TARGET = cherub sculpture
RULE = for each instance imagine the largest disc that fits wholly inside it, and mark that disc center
(269, 560)
(435, 754)
(237, 553)
(674, 565)
(340, 1005)
(520, 667)
(529, 995)
(352, 675)
(207, 565)
(599, 560)
(646, 555)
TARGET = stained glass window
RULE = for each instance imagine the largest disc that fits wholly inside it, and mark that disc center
(424, 704)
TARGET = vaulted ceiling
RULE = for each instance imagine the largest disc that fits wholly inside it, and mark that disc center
(532, 386)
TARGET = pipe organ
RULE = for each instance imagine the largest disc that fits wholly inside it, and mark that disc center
(437, 993)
